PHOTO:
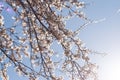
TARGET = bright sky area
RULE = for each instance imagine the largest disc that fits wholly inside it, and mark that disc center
(102, 37)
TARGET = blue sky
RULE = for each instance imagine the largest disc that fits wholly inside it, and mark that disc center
(102, 37)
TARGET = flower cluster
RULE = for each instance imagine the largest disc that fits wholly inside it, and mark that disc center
(1, 20)
(38, 24)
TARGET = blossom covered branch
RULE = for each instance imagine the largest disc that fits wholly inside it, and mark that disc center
(37, 25)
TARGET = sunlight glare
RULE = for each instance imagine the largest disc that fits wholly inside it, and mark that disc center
(112, 71)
